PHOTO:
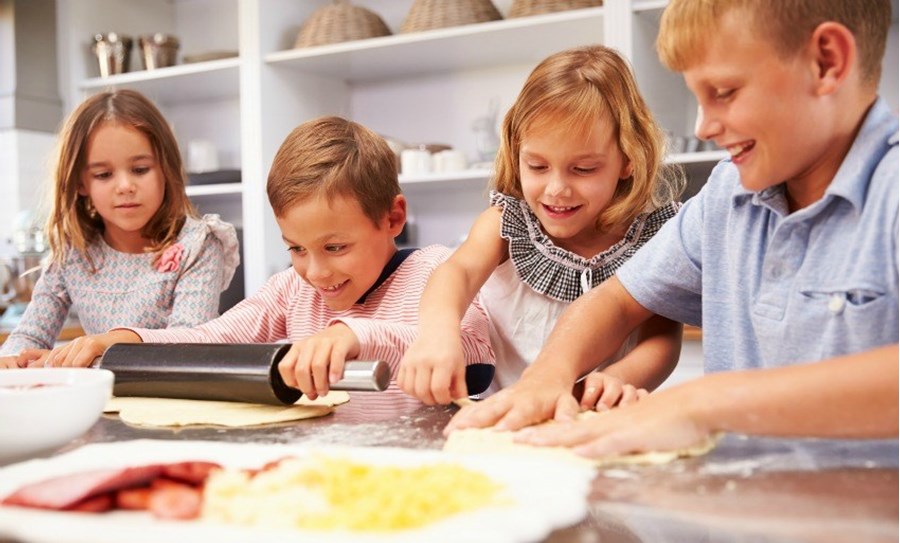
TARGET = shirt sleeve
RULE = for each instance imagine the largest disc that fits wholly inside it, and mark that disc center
(43, 319)
(260, 318)
(665, 275)
(196, 297)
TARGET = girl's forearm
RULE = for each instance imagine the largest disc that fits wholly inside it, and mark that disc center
(654, 357)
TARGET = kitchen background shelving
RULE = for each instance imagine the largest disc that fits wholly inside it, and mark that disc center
(426, 87)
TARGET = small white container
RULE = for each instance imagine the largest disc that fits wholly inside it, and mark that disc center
(415, 161)
(202, 156)
(450, 160)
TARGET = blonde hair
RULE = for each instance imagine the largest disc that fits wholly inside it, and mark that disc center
(787, 24)
(574, 89)
(70, 224)
(333, 156)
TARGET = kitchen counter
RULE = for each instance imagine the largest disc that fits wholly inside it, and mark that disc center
(747, 489)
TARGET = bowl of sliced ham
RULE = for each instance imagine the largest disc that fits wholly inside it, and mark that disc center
(41, 410)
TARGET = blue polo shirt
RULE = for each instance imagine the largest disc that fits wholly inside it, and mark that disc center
(771, 288)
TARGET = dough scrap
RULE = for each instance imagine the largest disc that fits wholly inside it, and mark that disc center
(167, 412)
(488, 440)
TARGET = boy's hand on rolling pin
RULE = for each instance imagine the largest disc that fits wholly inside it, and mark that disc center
(603, 391)
(433, 370)
(81, 352)
(317, 362)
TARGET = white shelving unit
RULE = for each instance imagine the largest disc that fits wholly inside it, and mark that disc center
(425, 87)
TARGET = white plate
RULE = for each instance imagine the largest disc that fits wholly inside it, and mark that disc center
(546, 496)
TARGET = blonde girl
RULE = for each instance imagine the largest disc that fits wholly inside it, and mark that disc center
(579, 186)
(126, 245)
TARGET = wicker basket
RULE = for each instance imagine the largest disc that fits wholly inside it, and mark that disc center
(524, 8)
(339, 22)
(431, 14)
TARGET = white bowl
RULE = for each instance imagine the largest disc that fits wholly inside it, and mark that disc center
(43, 409)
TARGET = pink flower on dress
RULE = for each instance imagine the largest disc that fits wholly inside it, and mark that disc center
(170, 259)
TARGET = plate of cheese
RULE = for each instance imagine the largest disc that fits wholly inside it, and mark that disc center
(295, 492)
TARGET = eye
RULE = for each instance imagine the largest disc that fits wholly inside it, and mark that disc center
(723, 94)
(535, 167)
(297, 250)
(337, 248)
(585, 170)
(141, 170)
(101, 175)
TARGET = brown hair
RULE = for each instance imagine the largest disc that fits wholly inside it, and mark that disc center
(574, 89)
(334, 156)
(70, 224)
(787, 24)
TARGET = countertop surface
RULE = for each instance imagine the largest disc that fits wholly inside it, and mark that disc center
(747, 489)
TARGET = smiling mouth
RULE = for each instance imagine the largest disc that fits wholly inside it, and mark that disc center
(333, 289)
(738, 151)
(127, 206)
(560, 210)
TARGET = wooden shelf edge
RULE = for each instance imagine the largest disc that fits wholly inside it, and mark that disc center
(692, 333)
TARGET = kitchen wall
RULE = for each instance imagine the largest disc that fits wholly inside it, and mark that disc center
(30, 106)
(25, 155)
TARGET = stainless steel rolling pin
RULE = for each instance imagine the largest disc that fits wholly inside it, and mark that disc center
(225, 372)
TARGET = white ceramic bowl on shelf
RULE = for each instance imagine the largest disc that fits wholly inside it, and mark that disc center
(43, 409)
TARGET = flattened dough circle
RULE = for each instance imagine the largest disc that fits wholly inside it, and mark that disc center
(174, 412)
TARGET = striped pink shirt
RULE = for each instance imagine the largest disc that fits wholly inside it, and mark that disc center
(287, 308)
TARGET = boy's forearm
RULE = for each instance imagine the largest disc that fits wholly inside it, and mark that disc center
(853, 396)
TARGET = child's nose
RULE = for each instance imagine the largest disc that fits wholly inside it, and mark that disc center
(124, 183)
(707, 127)
(317, 270)
(556, 185)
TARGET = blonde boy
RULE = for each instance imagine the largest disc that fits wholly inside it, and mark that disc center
(787, 258)
(350, 293)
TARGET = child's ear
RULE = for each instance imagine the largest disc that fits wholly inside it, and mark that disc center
(82, 190)
(397, 215)
(627, 170)
(834, 55)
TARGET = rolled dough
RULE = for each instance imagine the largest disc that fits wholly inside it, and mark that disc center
(488, 440)
(174, 412)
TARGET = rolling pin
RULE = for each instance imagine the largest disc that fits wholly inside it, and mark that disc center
(223, 372)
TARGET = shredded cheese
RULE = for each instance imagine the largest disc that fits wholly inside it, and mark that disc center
(321, 493)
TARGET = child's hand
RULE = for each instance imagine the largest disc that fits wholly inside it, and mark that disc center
(33, 358)
(9, 363)
(602, 391)
(434, 371)
(81, 352)
(317, 362)
(531, 400)
(665, 420)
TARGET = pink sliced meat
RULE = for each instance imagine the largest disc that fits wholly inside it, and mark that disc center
(95, 504)
(135, 499)
(175, 501)
(194, 473)
(64, 492)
